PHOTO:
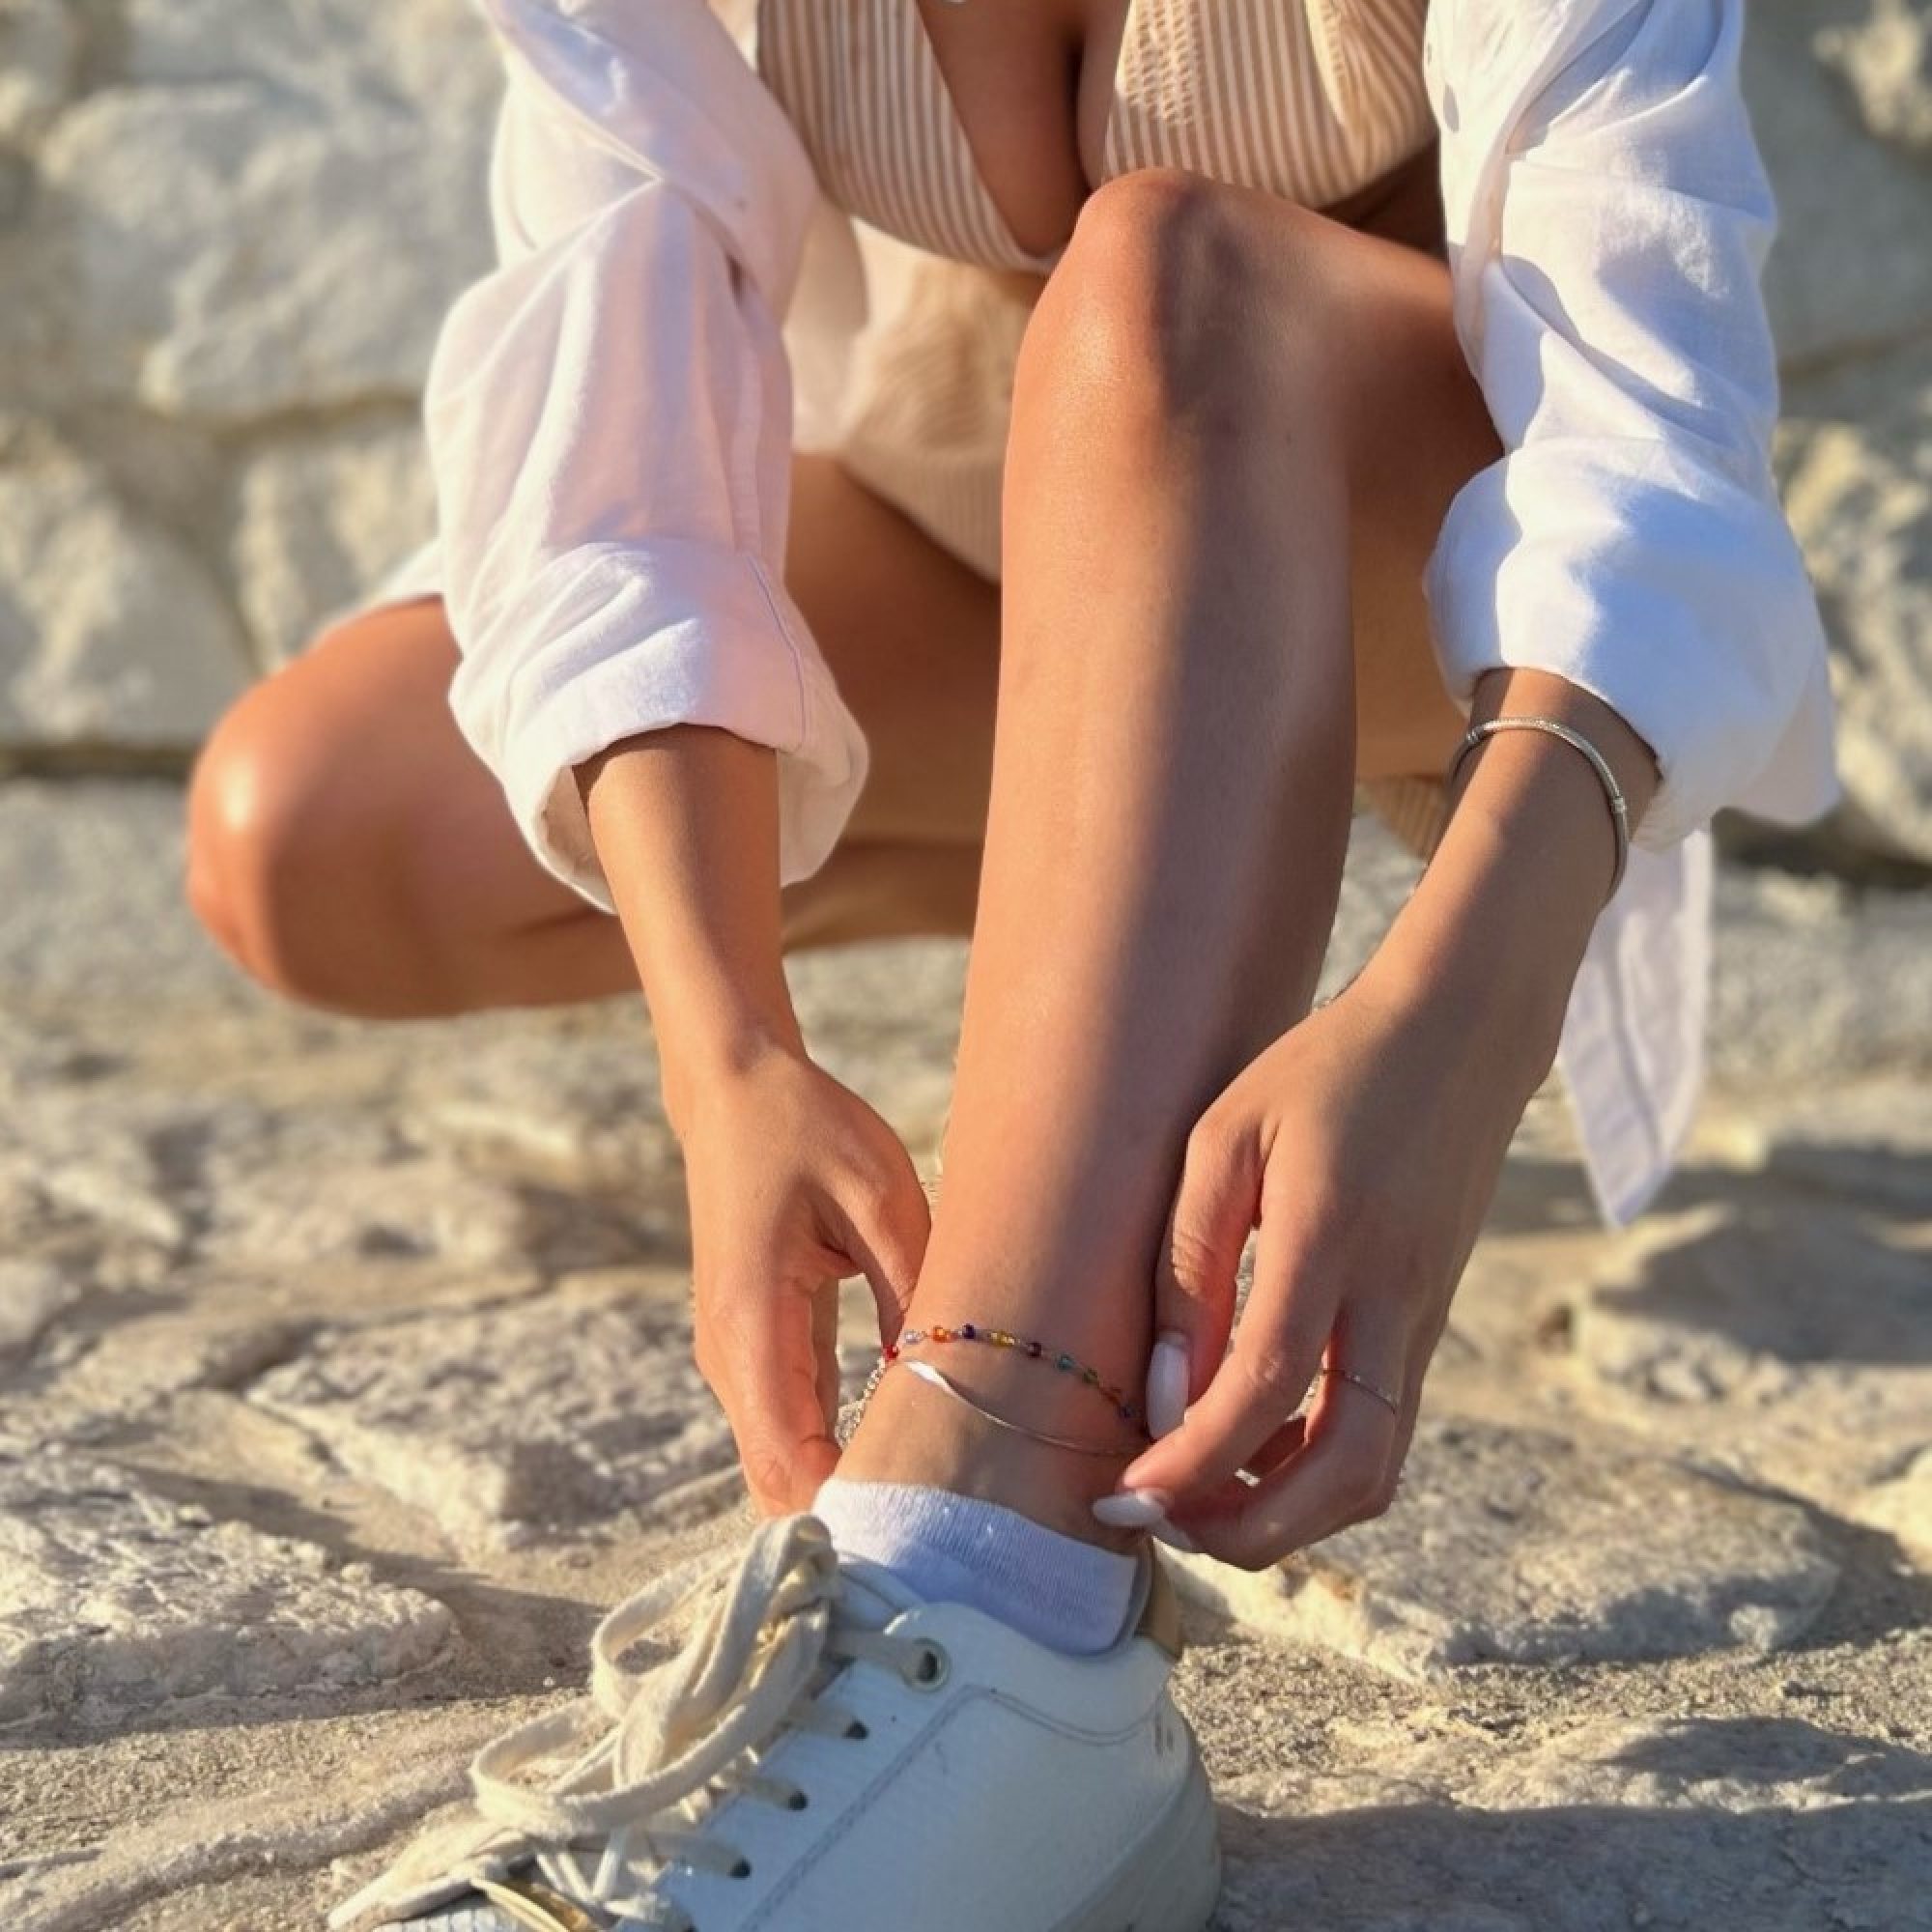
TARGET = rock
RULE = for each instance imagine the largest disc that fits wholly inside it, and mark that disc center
(1869, 1144)
(400, 1203)
(547, 1417)
(95, 1164)
(1789, 1297)
(1838, 281)
(1522, 1548)
(91, 898)
(114, 1600)
(321, 521)
(1774, 1823)
(1816, 982)
(1887, 62)
(1903, 1507)
(1856, 461)
(111, 631)
(274, 215)
(38, 41)
(31, 1293)
(1753, 1302)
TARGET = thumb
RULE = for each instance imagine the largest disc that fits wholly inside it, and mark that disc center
(1194, 1278)
(891, 1221)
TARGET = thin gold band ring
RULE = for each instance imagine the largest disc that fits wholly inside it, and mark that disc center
(1362, 1382)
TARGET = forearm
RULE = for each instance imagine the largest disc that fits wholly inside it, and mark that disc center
(686, 825)
(1498, 924)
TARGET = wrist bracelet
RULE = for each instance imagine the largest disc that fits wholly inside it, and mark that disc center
(1613, 792)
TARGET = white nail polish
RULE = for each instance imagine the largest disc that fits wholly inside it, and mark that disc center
(1165, 1532)
(1167, 1384)
(1132, 1509)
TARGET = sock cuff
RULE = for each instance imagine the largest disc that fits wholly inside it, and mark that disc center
(1069, 1595)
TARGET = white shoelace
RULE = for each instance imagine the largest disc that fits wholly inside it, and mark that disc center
(655, 1745)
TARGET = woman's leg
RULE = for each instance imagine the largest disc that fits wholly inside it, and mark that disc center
(349, 849)
(1237, 429)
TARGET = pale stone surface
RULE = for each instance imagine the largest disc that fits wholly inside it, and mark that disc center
(1888, 61)
(1855, 460)
(114, 1599)
(1505, 1546)
(543, 1417)
(319, 522)
(1903, 1507)
(258, 223)
(1844, 279)
(31, 1293)
(39, 43)
(1813, 976)
(111, 631)
(1777, 1823)
(91, 894)
(1743, 1307)
(1717, 1304)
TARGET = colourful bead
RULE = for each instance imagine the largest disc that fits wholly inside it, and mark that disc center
(1001, 1339)
(967, 1332)
(1092, 1377)
(1034, 1350)
(891, 1352)
(1066, 1363)
(940, 1334)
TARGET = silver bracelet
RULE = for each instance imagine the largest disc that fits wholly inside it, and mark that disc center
(1600, 765)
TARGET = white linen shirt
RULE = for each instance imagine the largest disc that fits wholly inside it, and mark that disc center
(610, 417)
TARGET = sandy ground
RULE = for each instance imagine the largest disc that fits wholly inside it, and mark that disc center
(343, 1383)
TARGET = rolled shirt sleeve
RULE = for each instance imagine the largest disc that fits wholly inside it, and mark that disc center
(609, 417)
(1609, 218)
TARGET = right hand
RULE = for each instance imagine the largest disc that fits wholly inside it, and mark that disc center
(795, 1183)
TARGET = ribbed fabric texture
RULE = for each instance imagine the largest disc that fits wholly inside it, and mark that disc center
(1251, 91)
(951, 1549)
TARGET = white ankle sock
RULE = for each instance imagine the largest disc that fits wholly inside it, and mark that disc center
(1055, 1589)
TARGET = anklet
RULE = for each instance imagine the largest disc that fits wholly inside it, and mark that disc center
(939, 1380)
(1123, 1406)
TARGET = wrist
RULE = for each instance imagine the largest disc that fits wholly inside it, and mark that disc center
(1491, 938)
(721, 1050)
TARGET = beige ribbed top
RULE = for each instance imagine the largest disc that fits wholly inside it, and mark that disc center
(1311, 100)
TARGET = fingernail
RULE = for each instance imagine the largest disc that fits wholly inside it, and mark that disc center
(1165, 1532)
(1133, 1509)
(1167, 1384)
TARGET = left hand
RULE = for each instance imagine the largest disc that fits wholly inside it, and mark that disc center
(1366, 1144)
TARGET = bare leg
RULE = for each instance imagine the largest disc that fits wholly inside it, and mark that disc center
(1212, 384)
(347, 848)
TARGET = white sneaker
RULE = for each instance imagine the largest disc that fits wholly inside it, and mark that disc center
(828, 1754)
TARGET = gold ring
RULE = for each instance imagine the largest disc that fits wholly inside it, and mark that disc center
(1362, 1382)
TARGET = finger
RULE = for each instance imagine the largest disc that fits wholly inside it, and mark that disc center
(771, 1403)
(1343, 1473)
(1208, 1226)
(890, 1221)
(1260, 1382)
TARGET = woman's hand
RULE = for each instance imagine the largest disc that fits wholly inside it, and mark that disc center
(795, 1183)
(1365, 1142)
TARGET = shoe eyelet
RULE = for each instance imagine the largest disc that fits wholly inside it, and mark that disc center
(857, 1730)
(742, 1869)
(799, 1800)
(931, 1670)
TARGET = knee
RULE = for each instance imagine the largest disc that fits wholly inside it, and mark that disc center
(270, 848)
(1183, 302)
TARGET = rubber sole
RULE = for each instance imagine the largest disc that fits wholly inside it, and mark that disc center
(1171, 1880)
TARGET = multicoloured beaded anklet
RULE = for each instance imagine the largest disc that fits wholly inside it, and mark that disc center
(1118, 1399)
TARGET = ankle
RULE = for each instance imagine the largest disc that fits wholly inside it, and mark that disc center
(913, 1433)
